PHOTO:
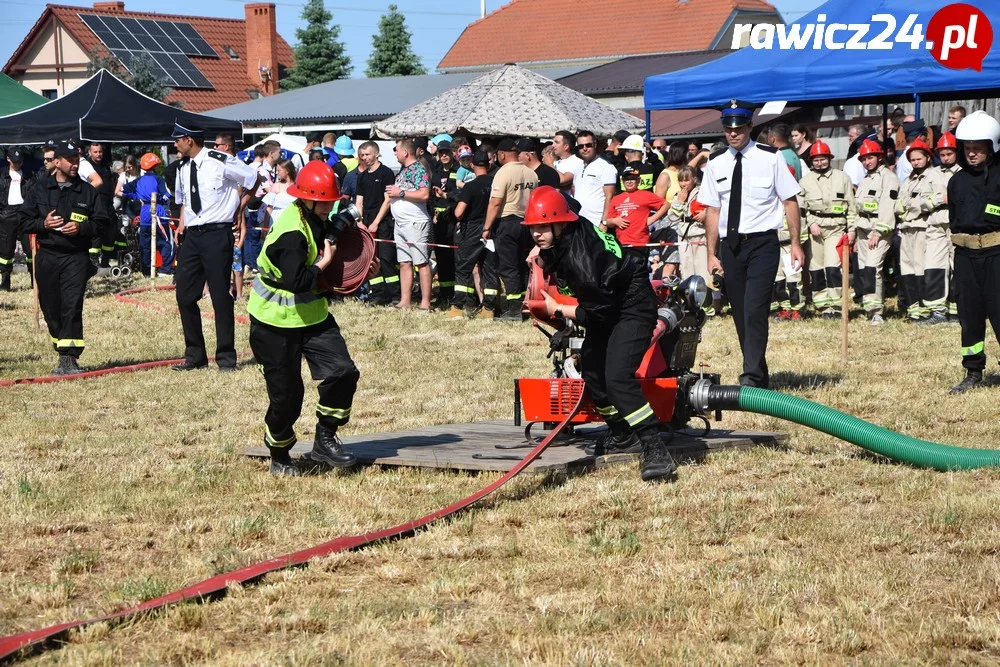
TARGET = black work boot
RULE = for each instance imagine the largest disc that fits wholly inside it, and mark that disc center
(5, 281)
(67, 365)
(281, 464)
(657, 463)
(972, 379)
(328, 449)
(618, 439)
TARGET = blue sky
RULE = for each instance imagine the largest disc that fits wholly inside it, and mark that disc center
(436, 24)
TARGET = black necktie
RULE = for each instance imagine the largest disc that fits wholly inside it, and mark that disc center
(735, 204)
(196, 195)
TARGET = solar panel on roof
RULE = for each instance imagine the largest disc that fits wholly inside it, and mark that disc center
(168, 43)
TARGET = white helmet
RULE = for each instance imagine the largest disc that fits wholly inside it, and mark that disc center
(979, 126)
(633, 143)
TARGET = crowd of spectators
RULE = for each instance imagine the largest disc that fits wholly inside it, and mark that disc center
(646, 194)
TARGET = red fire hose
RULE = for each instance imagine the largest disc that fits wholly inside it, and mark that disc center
(217, 585)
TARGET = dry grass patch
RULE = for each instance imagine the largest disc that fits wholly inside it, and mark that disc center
(121, 488)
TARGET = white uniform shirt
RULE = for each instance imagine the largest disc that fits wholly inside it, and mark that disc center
(220, 178)
(854, 170)
(589, 189)
(903, 166)
(14, 195)
(572, 164)
(767, 182)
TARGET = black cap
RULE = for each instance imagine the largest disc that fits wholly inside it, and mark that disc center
(421, 143)
(622, 135)
(314, 137)
(14, 155)
(480, 159)
(737, 113)
(445, 145)
(914, 128)
(507, 145)
(67, 149)
(630, 174)
(525, 145)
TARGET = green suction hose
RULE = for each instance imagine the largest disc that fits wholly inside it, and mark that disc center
(921, 453)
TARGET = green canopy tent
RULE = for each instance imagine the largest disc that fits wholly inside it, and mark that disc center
(14, 97)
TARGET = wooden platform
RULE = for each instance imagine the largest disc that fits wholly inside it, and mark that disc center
(499, 445)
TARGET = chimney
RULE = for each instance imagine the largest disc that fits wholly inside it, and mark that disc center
(262, 45)
(110, 6)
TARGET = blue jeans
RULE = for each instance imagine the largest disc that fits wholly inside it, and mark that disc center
(164, 245)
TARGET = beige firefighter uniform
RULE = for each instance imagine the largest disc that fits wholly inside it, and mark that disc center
(948, 172)
(828, 201)
(786, 298)
(925, 244)
(875, 203)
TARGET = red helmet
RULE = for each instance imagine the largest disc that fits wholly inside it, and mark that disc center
(947, 140)
(869, 147)
(918, 145)
(820, 148)
(548, 205)
(315, 182)
(149, 161)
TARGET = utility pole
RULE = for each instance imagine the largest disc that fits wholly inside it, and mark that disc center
(482, 9)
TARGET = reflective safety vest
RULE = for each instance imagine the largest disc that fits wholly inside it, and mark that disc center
(276, 306)
(350, 162)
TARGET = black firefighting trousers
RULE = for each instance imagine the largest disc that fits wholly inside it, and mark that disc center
(62, 283)
(511, 249)
(279, 355)
(472, 252)
(609, 357)
(977, 277)
(8, 240)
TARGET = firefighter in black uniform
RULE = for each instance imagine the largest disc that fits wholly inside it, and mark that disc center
(67, 214)
(14, 184)
(444, 185)
(974, 216)
(473, 200)
(617, 307)
(91, 165)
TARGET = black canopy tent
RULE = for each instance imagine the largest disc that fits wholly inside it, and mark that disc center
(105, 109)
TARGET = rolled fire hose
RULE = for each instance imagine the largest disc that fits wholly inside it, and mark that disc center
(892, 445)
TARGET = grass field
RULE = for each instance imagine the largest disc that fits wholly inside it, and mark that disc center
(122, 488)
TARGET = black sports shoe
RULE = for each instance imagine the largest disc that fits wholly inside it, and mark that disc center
(972, 379)
(188, 366)
(328, 449)
(657, 463)
(615, 441)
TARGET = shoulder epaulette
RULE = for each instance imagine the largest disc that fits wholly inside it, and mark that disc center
(765, 147)
(216, 155)
(717, 153)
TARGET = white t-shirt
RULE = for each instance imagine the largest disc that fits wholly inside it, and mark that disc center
(589, 189)
(14, 197)
(278, 201)
(854, 170)
(903, 166)
(573, 164)
(85, 170)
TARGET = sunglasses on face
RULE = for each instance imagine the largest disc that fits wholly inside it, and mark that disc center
(48, 159)
(582, 146)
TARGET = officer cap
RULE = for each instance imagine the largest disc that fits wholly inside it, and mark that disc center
(914, 129)
(737, 114)
(181, 131)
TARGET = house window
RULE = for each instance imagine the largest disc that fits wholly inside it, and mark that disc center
(50, 94)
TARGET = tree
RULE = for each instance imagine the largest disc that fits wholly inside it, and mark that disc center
(141, 73)
(320, 56)
(392, 54)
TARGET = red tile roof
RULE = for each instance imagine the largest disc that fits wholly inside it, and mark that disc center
(229, 77)
(532, 31)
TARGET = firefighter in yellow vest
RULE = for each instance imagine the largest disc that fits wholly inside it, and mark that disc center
(947, 151)
(925, 246)
(289, 320)
(828, 200)
(874, 225)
